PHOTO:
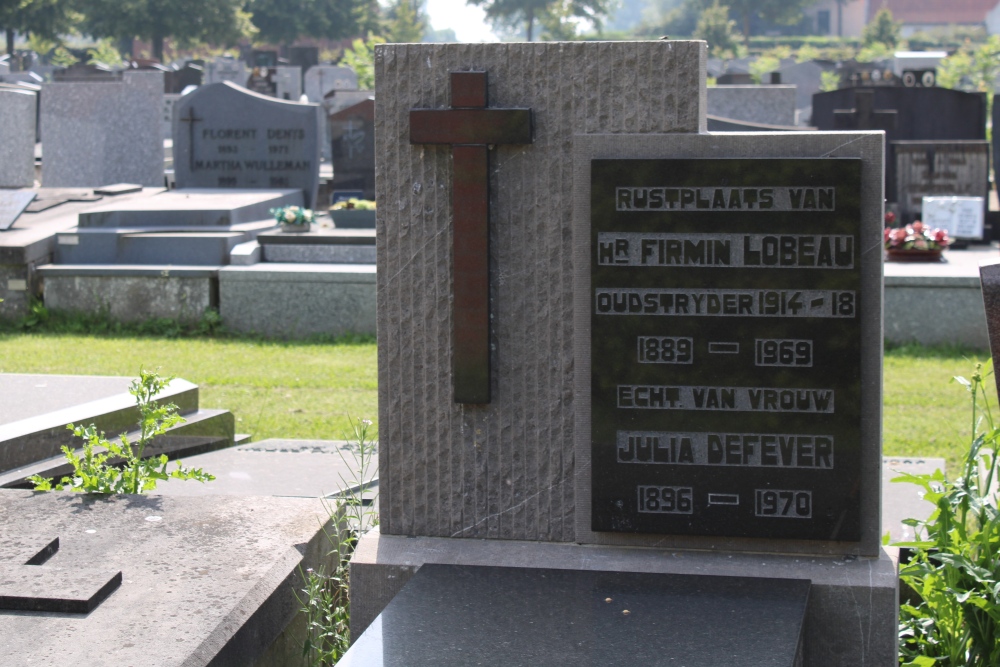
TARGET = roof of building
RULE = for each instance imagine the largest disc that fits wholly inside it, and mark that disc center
(934, 12)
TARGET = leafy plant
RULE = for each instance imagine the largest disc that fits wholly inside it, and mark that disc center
(327, 602)
(953, 616)
(95, 472)
(292, 215)
(104, 52)
(829, 81)
(361, 58)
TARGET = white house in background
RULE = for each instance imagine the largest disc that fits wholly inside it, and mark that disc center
(917, 15)
(842, 18)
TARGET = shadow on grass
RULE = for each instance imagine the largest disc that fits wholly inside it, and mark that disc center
(42, 321)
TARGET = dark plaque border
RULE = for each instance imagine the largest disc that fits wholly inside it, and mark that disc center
(833, 511)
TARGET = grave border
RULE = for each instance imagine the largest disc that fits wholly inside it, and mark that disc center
(867, 145)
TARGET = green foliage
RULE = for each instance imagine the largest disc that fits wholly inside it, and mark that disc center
(973, 67)
(96, 471)
(186, 21)
(104, 52)
(361, 58)
(881, 30)
(40, 319)
(48, 19)
(875, 51)
(807, 52)
(952, 616)
(715, 27)
(829, 81)
(326, 603)
(284, 21)
(61, 57)
(558, 18)
(768, 62)
(405, 24)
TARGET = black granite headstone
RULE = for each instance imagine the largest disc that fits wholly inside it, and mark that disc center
(352, 136)
(228, 137)
(726, 347)
(939, 168)
(452, 615)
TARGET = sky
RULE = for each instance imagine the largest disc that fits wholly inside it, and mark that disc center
(468, 22)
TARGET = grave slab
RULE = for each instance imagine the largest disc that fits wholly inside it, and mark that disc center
(452, 615)
(12, 205)
(204, 580)
(769, 105)
(273, 467)
(192, 207)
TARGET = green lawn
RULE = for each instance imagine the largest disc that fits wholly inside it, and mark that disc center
(309, 390)
(275, 389)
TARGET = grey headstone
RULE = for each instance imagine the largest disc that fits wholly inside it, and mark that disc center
(169, 100)
(322, 79)
(771, 105)
(289, 83)
(17, 138)
(12, 205)
(226, 69)
(103, 132)
(228, 137)
(352, 137)
(806, 77)
(22, 77)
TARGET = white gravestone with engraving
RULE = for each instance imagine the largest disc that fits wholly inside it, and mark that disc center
(961, 217)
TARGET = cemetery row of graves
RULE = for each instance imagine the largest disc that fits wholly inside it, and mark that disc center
(630, 366)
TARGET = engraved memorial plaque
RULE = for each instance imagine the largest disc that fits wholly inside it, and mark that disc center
(726, 347)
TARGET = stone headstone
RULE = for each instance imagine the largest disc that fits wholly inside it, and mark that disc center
(806, 77)
(228, 137)
(191, 74)
(288, 81)
(938, 168)
(303, 57)
(83, 72)
(771, 105)
(12, 205)
(961, 217)
(169, 99)
(97, 133)
(519, 282)
(322, 79)
(17, 138)
(352, 137)
(22, 77)
(226, 69)
(262, 81)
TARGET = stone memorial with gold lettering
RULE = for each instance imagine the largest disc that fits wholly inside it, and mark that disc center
(611, 342)
(228, 137)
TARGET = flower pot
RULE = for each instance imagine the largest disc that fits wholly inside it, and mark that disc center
(352, 218)
(898, 255)
(295, 229)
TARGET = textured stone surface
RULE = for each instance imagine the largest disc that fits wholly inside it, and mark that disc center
(97, 133)
(17, 138)
(130, 293)
(771, 105)
(27, 395)
(298, 300)
(503, 470)
(204, 580)
(321, 254)
(850, 617)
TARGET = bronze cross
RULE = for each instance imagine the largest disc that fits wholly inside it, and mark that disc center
(191, 120)
(864, 116)
(471, 129)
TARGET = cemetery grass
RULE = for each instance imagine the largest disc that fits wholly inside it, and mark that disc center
(275, 389)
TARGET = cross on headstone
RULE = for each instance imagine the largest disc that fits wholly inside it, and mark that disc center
(863, 116)
(191, 120)
(470, 128)
(25, 586)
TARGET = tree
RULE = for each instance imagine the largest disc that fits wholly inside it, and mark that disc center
(405, 23)
(361, 58)
(881, 30)
(284, 21)
(716, 28)
(784, 12)
(187, 21)
(528, 12)
(45, 18)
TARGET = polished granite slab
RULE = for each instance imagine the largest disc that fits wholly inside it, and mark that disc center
(492, 616)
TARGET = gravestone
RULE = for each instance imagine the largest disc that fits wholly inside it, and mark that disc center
(807, 78)
(191, 74)
(17, 136)
(262, 81)
(939, 168)
(226, 69)
(303, 57)
(288, 82)
(352, 137)
(555, 392)
(228, 137)
(322, 79)
(961, 217)
(97, 133)
(771, 105)
(83, 72)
